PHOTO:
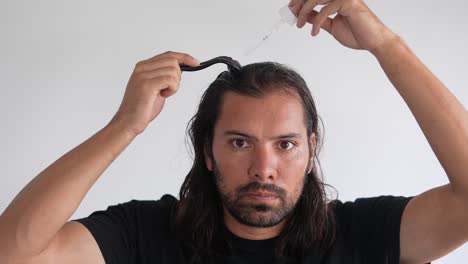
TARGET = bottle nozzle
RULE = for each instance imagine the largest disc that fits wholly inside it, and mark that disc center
(287, 15)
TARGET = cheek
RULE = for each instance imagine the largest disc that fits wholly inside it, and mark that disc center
(295, 162)
(231, 168)
(293, 170)
(228, 160)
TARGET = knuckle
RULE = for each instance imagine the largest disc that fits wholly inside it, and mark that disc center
(138, 77)
(175, 68)
(175, 65)
(169, 61)
(186, 56)
(174, 61)
(169, 52)
(139, 67)
(174, 79)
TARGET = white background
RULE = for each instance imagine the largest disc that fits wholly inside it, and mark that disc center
(64, 66)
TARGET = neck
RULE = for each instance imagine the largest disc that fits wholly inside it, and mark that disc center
(250, 232)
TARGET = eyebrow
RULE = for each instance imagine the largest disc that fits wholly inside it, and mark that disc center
(242, 134)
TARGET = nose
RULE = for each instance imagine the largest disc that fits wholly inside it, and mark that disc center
(263, 165)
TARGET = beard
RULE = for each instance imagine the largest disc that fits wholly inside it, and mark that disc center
(257, 214)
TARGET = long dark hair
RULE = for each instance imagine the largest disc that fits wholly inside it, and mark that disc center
(199, 213)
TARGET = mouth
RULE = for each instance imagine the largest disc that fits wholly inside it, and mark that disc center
(261, 196)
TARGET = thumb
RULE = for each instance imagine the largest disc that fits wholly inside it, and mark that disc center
(326, 25)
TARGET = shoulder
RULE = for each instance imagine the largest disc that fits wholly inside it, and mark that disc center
(148, 211)
(134, 230)
(369, 219)
(166, 203)
(133, 214)
(369, 212)
(367, 229)
(370, 205)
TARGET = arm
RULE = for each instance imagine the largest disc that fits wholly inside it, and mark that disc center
(433, 223)
(442, 118)
(34, 226)
(41, 209)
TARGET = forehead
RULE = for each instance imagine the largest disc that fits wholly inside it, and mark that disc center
(274, 113)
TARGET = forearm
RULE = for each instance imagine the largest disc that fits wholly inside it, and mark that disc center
(44, 205)
(442, 118)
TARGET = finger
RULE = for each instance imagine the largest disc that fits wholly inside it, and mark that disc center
(182, 58)
(323, 16)
(157, 63)
(295, 6)
(323, 2)
(171, 70)
(165, 86)
(325, 24)
(305, 10)
(166, 93)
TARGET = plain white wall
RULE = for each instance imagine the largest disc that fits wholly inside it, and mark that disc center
(65, 65)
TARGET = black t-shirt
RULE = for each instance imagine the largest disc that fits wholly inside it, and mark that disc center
(368, 231)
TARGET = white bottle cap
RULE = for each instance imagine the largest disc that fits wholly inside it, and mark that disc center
(287, 15)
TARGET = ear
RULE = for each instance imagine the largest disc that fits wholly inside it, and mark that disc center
(313, 143)
(208, 161)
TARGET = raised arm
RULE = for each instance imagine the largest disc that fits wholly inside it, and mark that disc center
(435, 222)
(34, 226)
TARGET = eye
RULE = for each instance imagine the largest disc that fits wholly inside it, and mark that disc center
(239, 143)
(286, 145)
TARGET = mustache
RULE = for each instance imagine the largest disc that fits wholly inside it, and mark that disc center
(256, 186)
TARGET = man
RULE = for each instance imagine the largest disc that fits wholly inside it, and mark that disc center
(253, 194)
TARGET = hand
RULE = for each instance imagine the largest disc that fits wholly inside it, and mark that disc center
(152, 81)
(355, 25)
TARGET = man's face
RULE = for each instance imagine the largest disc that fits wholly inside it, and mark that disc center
(261, 156)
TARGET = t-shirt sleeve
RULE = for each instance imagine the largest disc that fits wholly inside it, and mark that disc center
(128, 232)
(114, 231)
(372, 227)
